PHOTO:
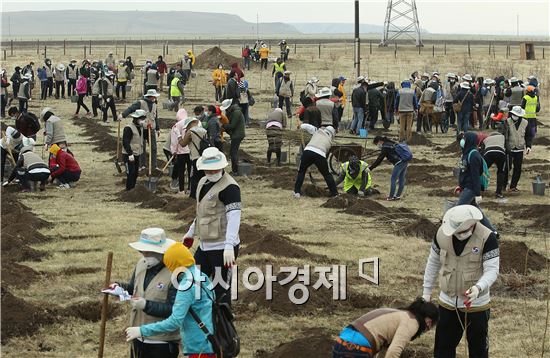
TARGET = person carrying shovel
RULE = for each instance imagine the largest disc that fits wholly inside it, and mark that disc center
(465, 256)
(132, 146)
(153, 296)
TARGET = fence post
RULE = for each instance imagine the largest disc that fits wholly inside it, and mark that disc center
(5, 55)
(84, 51)
(141, 46)
(489, 49)
(433, 50)
(11, 47)
(193, 46)
(38, 46)
(295, 48)
(163, 50)
(64, 46)
(167, 47)
(469, 53)
(445, 49)
(116, 47)
(45, 51)
(542, 53)
(370, 47)
(319, 50)
(125, 50)
(395, 53)
(90, 48)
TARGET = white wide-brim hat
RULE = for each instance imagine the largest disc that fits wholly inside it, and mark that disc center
(60, 67)
(212, 159)
(226, 104)
(518, 111)
(325, 91)
(139, 113)
(465, 85)
(187, 121)
(467, 77)
(152, 240)
(151, 93)
(460, 218)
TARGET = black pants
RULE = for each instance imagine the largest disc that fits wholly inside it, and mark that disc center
(71, 87)
(26, 178)
(373, 116)
(502, 172)
(3, 104)
(419, 121)
(153, 350)
(95, 104)
(286, 102)
(132, 171)
(15, 88)
(43, 90)
(208, 261)
(69, 177)
(234, 154)
(120, 86)
(59, 89)
(219, 93)
(450, 113)
(449, 333)
(196, 175)
(310, 158)
(183, 163)
(80, 103)
(263, 63)
(109, 104)
(23, 104)
(50, 86)
(277, 154)
(515, 160)
(4, 157)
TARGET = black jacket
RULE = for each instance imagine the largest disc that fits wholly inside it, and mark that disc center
(468, 96)
(387, 151)
(127, 135)
(472, 169)
(137, 105)
(232, 91)
(359, 97)
(376, 100)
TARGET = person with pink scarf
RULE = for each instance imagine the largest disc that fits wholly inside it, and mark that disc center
(182, 160)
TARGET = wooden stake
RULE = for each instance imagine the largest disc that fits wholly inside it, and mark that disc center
(38, 46)
(370, 47)
(90, 47)
(5, 55)
(141, 46)
(64, 47)
(45, 51)
(445, 49)
(84, 51)
(105, 305)
(125, 50)
(469, 53)
(295, 53)
(433, 50)
(11, 47)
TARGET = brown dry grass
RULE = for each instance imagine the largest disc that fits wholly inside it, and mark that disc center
(95, 220)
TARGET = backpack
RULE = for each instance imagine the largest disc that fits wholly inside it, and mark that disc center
(485, 176)
(203, 144)
(32, 121)
(403, 151)
(225, 339)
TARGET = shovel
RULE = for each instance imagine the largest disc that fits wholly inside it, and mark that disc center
(151, 182)
(117, 159)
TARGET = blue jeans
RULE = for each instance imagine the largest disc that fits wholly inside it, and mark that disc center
(463, 121)
(399, 171)
(467, 197)
(357, 122)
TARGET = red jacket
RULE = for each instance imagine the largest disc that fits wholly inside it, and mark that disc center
(65, 161)
(161, 67)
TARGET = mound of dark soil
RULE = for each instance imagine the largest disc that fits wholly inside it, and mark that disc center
(315, 343)
(210, 59)
(419, 139)
(516, 257)
(70, 271)
(366, 207)
(440, 192)
(341, 201)
(453, 148)
(313, 191)
(139, 194)
(14, 274)
(90, 310)
(278, 245)
(251, 233)
(422, 228)
(100, 135)
(155, 203)
(541, 141)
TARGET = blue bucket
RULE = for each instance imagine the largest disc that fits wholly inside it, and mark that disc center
(363, 132)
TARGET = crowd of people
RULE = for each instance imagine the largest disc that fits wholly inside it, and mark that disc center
(464, 254)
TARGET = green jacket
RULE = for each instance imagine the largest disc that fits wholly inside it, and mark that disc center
(235, 127)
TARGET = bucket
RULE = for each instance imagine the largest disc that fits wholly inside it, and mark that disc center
(363, 132)
(284, 157)
(151, 183)
(74, 99)
(448, 204)
(456, 172)
(129, 88)
(538, 186)
(245, 168)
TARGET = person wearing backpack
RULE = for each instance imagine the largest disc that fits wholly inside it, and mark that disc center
(464, 105)
(195, 343)
(81, 90)
(193, 137)
(473, 170)
(26, 123)
(399, 155)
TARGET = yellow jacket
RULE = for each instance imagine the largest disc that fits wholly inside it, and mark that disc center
(264, 52)
(343, 98)
(219, 77)
(192, 57)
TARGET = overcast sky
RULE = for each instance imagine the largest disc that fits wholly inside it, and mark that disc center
(441, 16)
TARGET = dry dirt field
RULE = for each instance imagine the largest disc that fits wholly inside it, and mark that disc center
(55, 243)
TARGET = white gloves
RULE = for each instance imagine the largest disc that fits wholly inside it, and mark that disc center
(5, 183)
(361, 193)
(138, 303)
(108, 100)
(527, 151)
(131, 158)
(427, 298)
(478, 199)
(132, 333)
(100, 96)
(119, 117)
(471, 295)
(229, 256)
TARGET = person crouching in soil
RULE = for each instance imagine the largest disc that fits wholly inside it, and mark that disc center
(386, 329)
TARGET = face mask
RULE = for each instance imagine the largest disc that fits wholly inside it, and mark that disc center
(462, 143)
(141, 122)
(464, 235)
(152, 261)
(220, 67)
(514, 117)
(213, 177)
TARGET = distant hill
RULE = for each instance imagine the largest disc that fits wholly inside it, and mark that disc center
(335, 28)
(83, 22)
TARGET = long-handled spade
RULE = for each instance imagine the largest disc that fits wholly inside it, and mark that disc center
(151, 182)
(117, 159)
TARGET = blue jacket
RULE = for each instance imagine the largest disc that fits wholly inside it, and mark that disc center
(194, 340)
(473, 168)
(42, 74)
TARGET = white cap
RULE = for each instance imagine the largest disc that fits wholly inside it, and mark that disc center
(226, 104)
(187, 121)
(513, 79)
(360, 79)
(489, 81)
(325, 91)
(467, 77)
(211, 159)
(152, 240)
(151, 93)
(518, 111)
(139, 113)
(460, 218)
(465, 85)
(330, 130)
(44, 111)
